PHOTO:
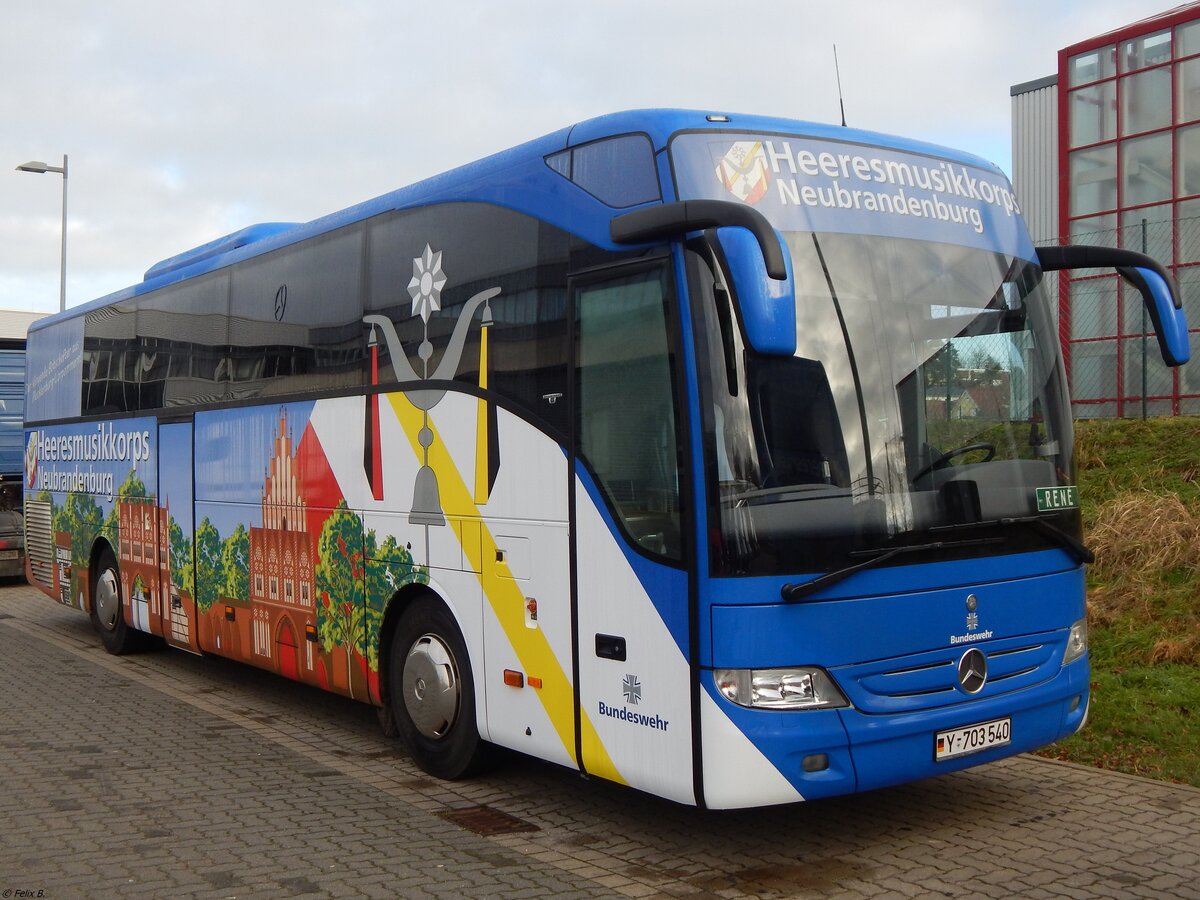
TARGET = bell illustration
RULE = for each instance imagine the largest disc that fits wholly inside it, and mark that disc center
(427, 502)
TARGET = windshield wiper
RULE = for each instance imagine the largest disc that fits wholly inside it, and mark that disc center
(1075, 548)
(793, 593)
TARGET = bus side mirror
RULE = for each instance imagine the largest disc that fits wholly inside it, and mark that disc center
(1165, 311)
(767, 305)
(1151, 280)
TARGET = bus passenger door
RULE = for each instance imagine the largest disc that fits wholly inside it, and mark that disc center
(176, 570)
(630, 582)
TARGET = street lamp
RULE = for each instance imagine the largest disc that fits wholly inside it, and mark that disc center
(41, 169)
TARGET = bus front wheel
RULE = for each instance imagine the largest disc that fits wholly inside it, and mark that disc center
(433, 693)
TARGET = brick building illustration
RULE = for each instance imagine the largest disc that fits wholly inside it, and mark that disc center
(282, 591)
(152, 600)
(144, 560)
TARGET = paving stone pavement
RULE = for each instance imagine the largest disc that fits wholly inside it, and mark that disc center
(165, 774)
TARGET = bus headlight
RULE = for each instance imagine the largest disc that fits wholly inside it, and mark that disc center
(1076, 642)
(803, 687)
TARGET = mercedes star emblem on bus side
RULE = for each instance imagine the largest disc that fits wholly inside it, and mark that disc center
(972, 671)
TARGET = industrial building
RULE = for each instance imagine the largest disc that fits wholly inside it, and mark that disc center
(1107, 151)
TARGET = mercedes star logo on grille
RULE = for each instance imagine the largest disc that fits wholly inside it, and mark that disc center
(972, 671)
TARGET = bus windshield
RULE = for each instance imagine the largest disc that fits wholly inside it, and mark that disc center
(925, 402)
(925, 405)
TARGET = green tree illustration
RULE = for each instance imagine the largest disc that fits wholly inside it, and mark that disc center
(82, 518)
(339, 578)
(182, 569)
(209, 574)
(390, 568)
(235, 561)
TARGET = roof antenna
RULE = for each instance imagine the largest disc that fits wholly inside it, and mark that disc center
(838, 72)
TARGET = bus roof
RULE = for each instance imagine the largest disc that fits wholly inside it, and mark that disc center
(550, 196)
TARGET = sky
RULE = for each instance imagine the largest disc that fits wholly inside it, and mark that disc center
(186, 122)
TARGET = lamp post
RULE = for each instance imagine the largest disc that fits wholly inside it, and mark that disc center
(41, 169)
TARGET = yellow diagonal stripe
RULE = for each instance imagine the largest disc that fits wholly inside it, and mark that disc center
(481, 424)
(507, 602)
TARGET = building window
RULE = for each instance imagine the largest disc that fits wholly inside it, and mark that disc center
(1155, 237)
(1187, 38)
(1146, 169)
(274, 592)
(1146, 101)
(1189, 160)
(1187, 90)
(1093, 180)
(1147, 50)
(258, 584)
(262, 638)
(1189, 234)
(1096, 230)
(1093, 308)
(1092, 66)
(1093, 114)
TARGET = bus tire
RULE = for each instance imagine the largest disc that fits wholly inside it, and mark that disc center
(108, 614)
(432, 691)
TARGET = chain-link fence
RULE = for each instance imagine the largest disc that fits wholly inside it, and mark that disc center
(1113, 362)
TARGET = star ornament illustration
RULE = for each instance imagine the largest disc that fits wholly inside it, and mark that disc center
(427, 282)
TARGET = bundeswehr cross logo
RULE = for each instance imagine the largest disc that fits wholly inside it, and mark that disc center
(632, 688)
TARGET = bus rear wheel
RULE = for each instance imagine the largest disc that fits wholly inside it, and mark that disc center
(108, 614)
(432, 691)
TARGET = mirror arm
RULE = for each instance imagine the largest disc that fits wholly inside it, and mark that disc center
(1077, 256)
(667, 220)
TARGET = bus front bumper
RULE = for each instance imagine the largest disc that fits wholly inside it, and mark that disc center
(825, 753)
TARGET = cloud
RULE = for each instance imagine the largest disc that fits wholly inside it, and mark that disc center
(187, 121)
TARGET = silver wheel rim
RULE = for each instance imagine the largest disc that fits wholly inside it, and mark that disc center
(431, 686)
(108, 600)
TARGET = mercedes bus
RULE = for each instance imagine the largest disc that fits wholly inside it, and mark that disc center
(725, 457)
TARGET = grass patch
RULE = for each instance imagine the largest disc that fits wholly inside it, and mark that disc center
(1139, 485)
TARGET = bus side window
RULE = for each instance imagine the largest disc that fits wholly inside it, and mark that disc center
(626, 405)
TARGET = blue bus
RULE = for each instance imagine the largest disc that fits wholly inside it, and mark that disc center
(12, 454)
(725, 457)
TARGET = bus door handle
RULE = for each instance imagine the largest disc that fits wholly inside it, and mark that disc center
(609, 646)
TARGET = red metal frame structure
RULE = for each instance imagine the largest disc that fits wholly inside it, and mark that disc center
(1129, 164)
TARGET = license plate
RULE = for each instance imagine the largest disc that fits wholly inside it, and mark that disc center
(9, 554)
(972, 739)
